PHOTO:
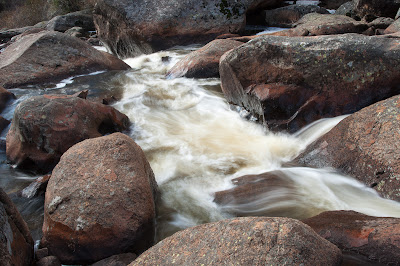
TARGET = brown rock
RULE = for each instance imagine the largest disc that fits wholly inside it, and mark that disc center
(376, 238)
(16, 243)
(287, 16)
(50, 56)
(100, 201)
(393, 28)
(291, 82)
(203, 63)
(364, 145)
(134, 27)
(376, 8)
(83, 19)
(44, 127)
(49, 261)
(314, 24)
(244, 241)
(117, 260)
(5, 96)
(41, 253)
(381, 23)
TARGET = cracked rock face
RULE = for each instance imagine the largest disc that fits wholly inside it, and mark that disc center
(291, 82)
(100, 201)
(244, 241)
(364, 145)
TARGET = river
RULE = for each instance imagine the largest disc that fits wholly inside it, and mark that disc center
(196, 144)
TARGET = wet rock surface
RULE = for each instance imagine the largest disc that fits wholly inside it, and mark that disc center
(364, 145)
(377, 238)
(291, 82)
(50, 56)
(44, 127)
(244, 241)
(203, 63)
(131, 28)
(16, 244)
(100, 201)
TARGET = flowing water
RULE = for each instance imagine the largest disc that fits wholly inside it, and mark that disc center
(196, 144)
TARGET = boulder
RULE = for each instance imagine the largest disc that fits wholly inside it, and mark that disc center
(244, 241)
(371, 9)
(5, 96)
(16, 243)
(364, 145)
(49, 261)
(100, 201)
(36, 188)
(50, 56)
(381, 23)
(287, 16)
(117, 260)
(130, 28)
(324, 24)
(376, 238)
(332, 4)
(203, 63)
(289, 82)
(347, 9)
(393, 28)
(8, 34)
(83, 19)
(44, 127)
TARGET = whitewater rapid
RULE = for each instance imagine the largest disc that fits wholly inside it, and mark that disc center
(196, 144)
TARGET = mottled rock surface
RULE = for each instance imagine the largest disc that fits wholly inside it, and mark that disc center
(291, 82)
(287, 16)
(50, 56)
(100, 201)
(364, 145)
(324, 24)
(44, 127)
(203, 63)
(16, 243)
(130, 28)
(376, 238)
(244, 241)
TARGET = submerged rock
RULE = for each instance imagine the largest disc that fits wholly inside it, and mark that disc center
(377, 238)
(130, 28)
(291, 82)
(44, 127)
(287, 16)
(203, 63)
(50, 56)
(365, 145)
(16, 243)
(100, 201)
(244, 241)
